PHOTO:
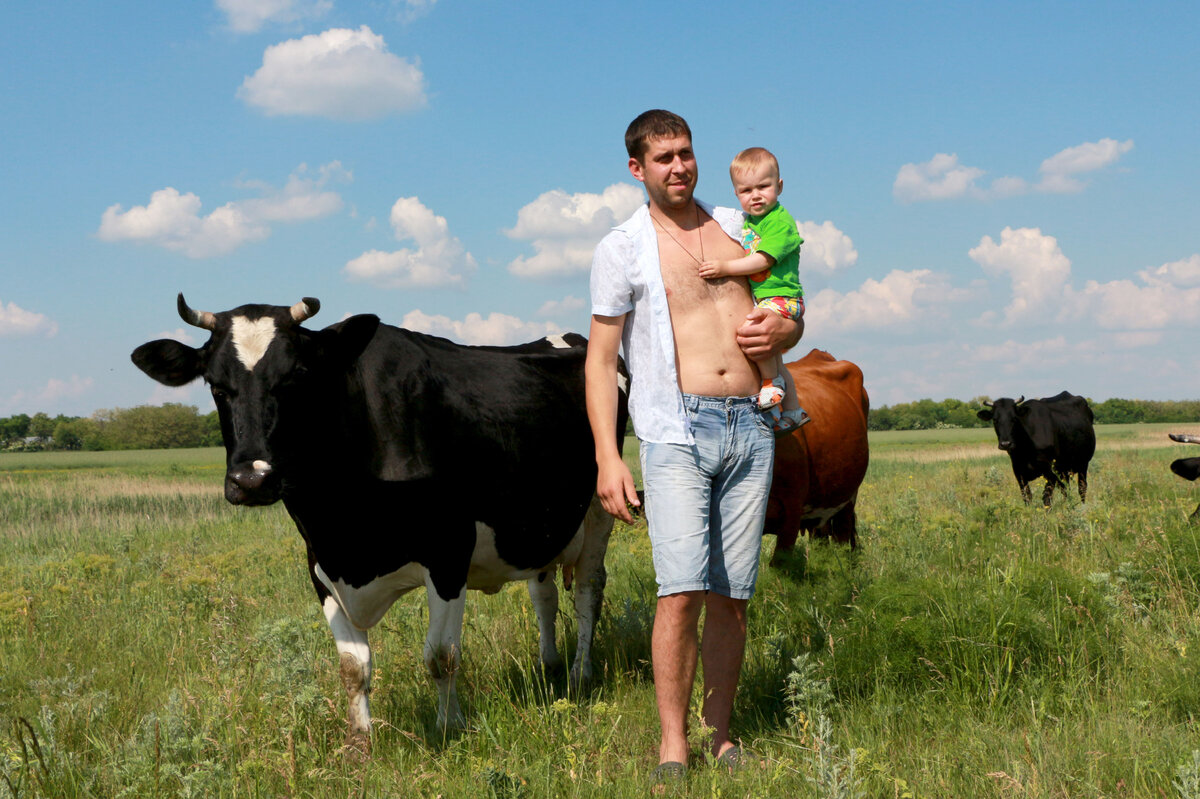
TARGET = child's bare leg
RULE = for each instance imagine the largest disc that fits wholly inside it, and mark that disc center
(790, 401)
(771, 393)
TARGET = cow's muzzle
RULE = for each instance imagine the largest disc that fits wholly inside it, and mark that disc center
(251, 483)
(1005, 445)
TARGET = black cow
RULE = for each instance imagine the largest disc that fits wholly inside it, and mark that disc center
(407, 461)
(1050, 437)
(1187, 468)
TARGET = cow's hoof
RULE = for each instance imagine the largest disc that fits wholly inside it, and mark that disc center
(358, 746)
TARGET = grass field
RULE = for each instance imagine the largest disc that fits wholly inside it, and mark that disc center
(157, 642)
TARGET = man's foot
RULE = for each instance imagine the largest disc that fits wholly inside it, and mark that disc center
(789, 421)
(666, 773)
(771, 394)
(733, 759)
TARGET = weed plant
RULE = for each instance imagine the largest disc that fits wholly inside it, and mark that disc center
(155, 641)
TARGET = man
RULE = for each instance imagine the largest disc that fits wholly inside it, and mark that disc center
(706, 451)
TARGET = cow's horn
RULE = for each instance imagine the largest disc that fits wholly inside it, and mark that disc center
(203, 319)
(987, 403)
(1022, 399)
(304, 309)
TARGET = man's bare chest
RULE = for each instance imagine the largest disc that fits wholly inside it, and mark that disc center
(685, 289)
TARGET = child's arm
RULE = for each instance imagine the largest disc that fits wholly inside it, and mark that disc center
(747, 265)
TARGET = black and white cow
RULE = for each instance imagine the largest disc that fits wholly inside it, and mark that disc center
(1187, 468)
(1051, 437)
(407, 461)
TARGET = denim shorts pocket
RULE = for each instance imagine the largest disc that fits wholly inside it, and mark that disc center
(761, 422)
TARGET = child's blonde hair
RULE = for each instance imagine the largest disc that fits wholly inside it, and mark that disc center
(752, 158)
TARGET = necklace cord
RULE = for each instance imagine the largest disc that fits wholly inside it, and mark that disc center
(699, 232)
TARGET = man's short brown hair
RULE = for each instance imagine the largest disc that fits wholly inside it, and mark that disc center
(752, 158)
(653, 124)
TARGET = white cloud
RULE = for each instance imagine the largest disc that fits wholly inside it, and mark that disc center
(1124, 305)
(173, 220)
(1040, 275)
(1037, 268)
(410, 10)
(339, 74)
(56, 389)
(496, 329)
(1183, 274)
(51, 392)
(249, 16)
(1058, 170)
(16, 321)
(940, 178)
(302, 198)
(439, 259)
(178, 334)
(901, 298)
(826, 249)
(944, 178)
(567, 305)
(565, 228)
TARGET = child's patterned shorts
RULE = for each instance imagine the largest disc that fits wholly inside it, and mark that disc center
(787, 307)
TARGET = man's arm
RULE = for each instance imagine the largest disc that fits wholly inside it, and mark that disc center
(614, 481)
(765, 333)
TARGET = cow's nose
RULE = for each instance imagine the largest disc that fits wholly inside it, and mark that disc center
(250, 484)
(1005, 445)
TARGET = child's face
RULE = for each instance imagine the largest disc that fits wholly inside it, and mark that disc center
(758, 189)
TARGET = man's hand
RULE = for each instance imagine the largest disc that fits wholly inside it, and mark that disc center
(712, 269)
(766, 334)
(614, 486)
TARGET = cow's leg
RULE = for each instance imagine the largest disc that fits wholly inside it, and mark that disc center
(590, 578)
(354, 654)
(544, 593)
(1026, 493)
(1047, 492)
(1083, 484)
(443, 651)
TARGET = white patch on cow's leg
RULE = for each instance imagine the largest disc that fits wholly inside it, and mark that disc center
(443, 652)
(590, 577)
(251, 339)
(355, 665)
(544, 592)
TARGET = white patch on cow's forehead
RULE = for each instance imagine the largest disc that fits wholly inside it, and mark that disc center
(558, 342)
(251, 339)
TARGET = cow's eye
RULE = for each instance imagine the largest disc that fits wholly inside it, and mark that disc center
(219, 394)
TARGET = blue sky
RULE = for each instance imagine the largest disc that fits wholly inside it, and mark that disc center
(998, 199)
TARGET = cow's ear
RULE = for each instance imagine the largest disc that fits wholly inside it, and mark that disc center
(1187, 468)
(985, 414)
(346, 340)
(1022, 411)
(168, 361)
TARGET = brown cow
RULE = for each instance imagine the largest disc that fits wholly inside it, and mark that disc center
(820, 465)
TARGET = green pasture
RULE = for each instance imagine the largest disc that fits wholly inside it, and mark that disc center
(158, 642)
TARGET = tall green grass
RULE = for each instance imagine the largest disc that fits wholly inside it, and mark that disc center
(155, 641)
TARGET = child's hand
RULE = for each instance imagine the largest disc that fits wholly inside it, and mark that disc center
(711, 269)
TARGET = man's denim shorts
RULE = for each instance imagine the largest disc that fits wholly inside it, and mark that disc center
(705, 502)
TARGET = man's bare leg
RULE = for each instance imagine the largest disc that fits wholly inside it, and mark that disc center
(722, 650)
(673, 649)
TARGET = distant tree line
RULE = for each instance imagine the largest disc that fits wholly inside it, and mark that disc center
(144, 427)
(929, 415)
(174, 425)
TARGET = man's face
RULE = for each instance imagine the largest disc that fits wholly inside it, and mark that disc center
(757, 189)
(668, 170)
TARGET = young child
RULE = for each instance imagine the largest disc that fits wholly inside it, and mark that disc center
(772, 246)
